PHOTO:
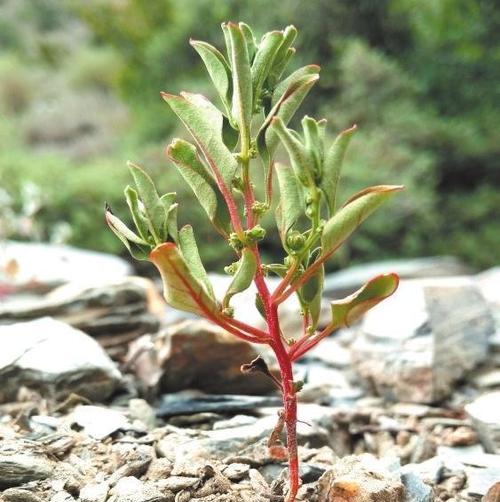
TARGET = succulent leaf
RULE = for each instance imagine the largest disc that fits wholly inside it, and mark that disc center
(249, 39)
(243, 277)
(332, 167)
(283, 55)
(313, 143)
(285, 108)
(137, 211)
(291, 205)
(218, 69)
(171, 208)
(204, 122)
(301, 162)
(264, 59)
(153, 207)
(343, 223)
(135, 245)
(181, 289)
(310, 296)
(197, 176)
(190, 253)
(351, 308)
(242, 103)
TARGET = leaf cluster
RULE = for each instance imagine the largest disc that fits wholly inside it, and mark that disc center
(235, 144)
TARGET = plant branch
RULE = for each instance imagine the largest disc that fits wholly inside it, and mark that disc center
(248, 328)
(307, 343)
(308, 273)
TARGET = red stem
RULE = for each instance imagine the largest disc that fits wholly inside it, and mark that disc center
(306, 344)
(287, 384)
(277, 344)
(249, 329)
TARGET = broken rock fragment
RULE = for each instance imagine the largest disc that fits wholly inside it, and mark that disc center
(415, 345)
(360, 478)
(54, 359)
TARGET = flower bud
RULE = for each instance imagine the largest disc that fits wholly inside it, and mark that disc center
(231, 269)
(259, 207)
(228, 311)
(295, 240)
(255, 234)
(310, 211)
(235, 242)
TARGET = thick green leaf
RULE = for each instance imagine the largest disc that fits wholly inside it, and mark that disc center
(204, 122)
(285, 108)
(242, 104)
(218, 69)
(264, 59)
(310, 295)
(249, 39)
(285, 87)
(351, 308)
(313, 142)
(196, 175)
(181, 289)
(153, 207)
(170, 227)
(191, 255)
(301, 162)
(243, 277)
(292, 205)
(343, 223)
(135, 245)
(137, 211)
(332, 167)
(283, 55)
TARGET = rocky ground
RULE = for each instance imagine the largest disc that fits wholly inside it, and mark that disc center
(106, 395)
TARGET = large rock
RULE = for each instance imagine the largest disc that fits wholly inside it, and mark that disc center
(485, 415)
(115, 311)
(196, 354)
(428, 335)
(360, 478)
(21, 462)
(488, 282)
(30, 265)
(55, 359)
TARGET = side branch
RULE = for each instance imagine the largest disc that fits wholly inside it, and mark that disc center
(247, 328)
(307, 343)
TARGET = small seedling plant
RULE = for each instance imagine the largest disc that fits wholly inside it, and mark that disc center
(232, 154)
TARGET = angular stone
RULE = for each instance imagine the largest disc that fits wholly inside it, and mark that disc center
(99, 422)
(197, 354)
(21, 463)
(19, 495)
(94, 492)
(360, 478)
(187, 402)
(415, 489)
(485, 415)
(131, 489)
(54, 359)
(493, 494)
(415, 345)
(113, 311)
(56, 264)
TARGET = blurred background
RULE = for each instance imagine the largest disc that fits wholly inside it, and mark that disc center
(79, 95)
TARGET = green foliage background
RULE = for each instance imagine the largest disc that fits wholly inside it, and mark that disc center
(79, 94)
